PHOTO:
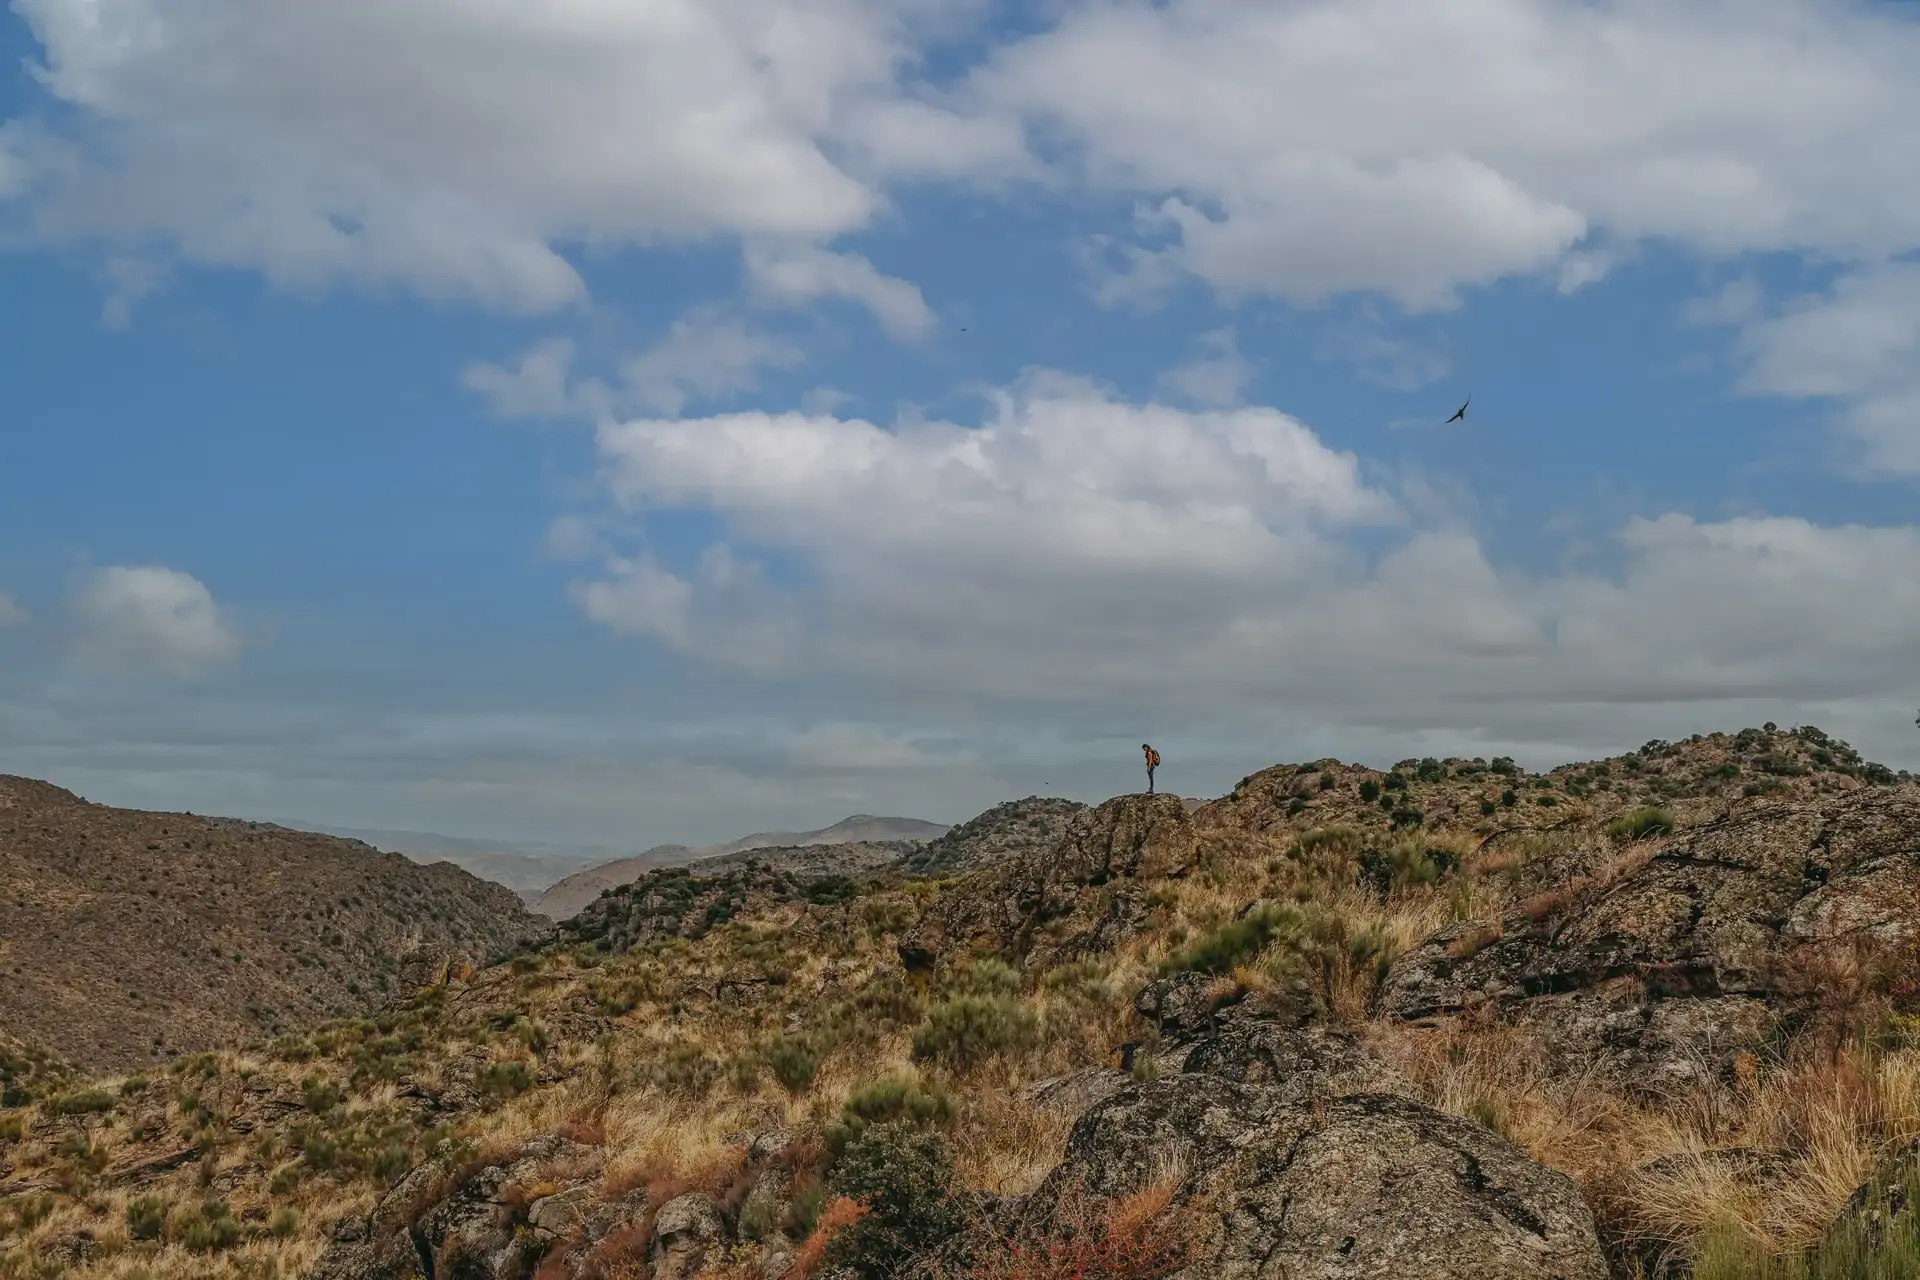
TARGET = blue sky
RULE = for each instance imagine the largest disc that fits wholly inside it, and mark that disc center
(626, 423)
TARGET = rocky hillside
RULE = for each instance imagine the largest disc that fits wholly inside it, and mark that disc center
(130, 938)
(1002, 832)
(1664, 1028)
(812, 861)
(565, 898)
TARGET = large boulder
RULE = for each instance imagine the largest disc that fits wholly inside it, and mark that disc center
(1364, 1185)
(685, 1231)
(1082, 895)
(1283, 1151)
(1680, 958)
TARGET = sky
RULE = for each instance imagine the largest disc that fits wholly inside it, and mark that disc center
(615, 422)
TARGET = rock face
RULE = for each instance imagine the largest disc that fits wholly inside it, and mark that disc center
(1686, 955)
(1290, 1157)
(1082, 895)
(1005, 832)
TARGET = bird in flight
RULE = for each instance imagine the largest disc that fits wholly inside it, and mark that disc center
(1460, 414)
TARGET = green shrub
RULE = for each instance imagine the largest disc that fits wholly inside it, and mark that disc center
(284, 1222)
(683, 1068)
(12, 1128)
(506, 1079)
(1638, 824)
(793, 1063)
(85, 1103)
(211, 1229)
(1219, 949)
(1405, 863)
(900, 1100)
(988, 976)
(904, 1177)
(1370, 791)
(1337, 837)
(147, 1218)
(319, 1094)
(966, 1030)
(320, 1152)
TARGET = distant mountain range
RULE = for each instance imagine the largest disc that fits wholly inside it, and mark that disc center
(566, 898)
(526, 868)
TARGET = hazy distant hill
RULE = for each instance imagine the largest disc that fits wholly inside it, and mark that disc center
(526, 868)
(566, 898)
(129, 936)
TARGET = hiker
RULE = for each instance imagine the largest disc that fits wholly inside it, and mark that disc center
(1153, 762)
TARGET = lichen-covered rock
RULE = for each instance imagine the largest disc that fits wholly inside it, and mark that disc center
(1179, 1005)
(1083, 895)
(479, 1228)
(687, 1229)
(1682, 961)
(1298, 1063)
(1342, 1188)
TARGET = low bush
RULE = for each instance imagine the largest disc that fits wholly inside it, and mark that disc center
(88, 1102)
(1638, 824)
(901, 1100)
(211, 1229)
(1219, 949)
(966, 1030)
(507, 1079)
(147, 1218)
(1407, 863)
(903, 1179)
(793, 1063)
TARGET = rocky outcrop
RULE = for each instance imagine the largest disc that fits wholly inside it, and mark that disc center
(1007, 831)
(1683, 957)
(485, 1225)
(1083, 895)
(1285, 1152)
(543, 1205)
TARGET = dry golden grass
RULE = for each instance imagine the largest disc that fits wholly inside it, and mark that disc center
(671, 1096)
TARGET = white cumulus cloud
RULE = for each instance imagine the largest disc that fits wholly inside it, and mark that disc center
(1858, 344)
(800, 274)
(1078, 555)
(152, 617)
(452, 148)
(1325, 146)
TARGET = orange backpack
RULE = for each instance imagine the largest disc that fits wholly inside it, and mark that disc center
(1153, 758)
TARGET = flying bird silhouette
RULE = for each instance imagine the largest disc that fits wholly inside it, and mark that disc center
(1460, 414)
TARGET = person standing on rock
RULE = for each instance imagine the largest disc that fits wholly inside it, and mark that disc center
(1153, 762)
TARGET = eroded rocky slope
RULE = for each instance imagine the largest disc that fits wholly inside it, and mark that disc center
(1660, 1025)
(128, 938)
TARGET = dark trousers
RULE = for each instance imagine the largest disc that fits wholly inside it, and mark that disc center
(1149, 779)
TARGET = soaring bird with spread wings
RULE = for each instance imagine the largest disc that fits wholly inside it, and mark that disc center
(1460, 414)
